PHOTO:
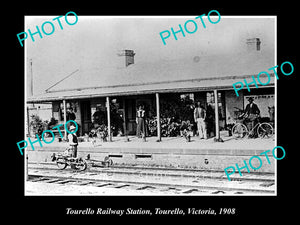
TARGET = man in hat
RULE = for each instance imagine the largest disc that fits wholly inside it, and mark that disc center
(251, 114)
(73, 141)
(199, 117)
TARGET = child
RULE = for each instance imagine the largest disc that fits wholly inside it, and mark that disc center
(186, 130)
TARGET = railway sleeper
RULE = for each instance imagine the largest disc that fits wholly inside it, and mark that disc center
(145, 187)
(188, 191)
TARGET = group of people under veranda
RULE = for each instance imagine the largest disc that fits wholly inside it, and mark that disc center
(203, 120)
(250, 115)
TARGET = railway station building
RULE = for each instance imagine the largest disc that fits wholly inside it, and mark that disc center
(205, 78)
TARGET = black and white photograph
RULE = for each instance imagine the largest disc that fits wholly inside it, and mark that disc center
(141, 112)
(151, 105)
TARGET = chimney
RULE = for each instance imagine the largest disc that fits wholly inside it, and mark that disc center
(253, 44)
(126, 57)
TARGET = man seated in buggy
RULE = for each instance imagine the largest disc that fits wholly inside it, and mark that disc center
(71, 150)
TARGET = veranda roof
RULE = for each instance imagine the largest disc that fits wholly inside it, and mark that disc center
(183, 75)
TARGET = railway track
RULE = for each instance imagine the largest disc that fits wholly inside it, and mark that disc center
(164, 181)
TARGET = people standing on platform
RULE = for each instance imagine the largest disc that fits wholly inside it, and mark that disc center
(140, 120)
(70, 114)
(199, 117)
(251, 115)
(99, 117)
(210, 120)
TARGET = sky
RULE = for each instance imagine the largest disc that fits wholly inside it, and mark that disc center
(95, 40)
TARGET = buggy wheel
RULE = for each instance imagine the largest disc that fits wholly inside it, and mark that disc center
(265, 130)
(108, 162)
(61, 163)
(239, 130)
(81, 165)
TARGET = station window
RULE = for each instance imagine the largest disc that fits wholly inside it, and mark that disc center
(210, 98)
(188, 95)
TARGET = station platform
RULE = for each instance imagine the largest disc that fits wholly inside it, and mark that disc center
(170, 152)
